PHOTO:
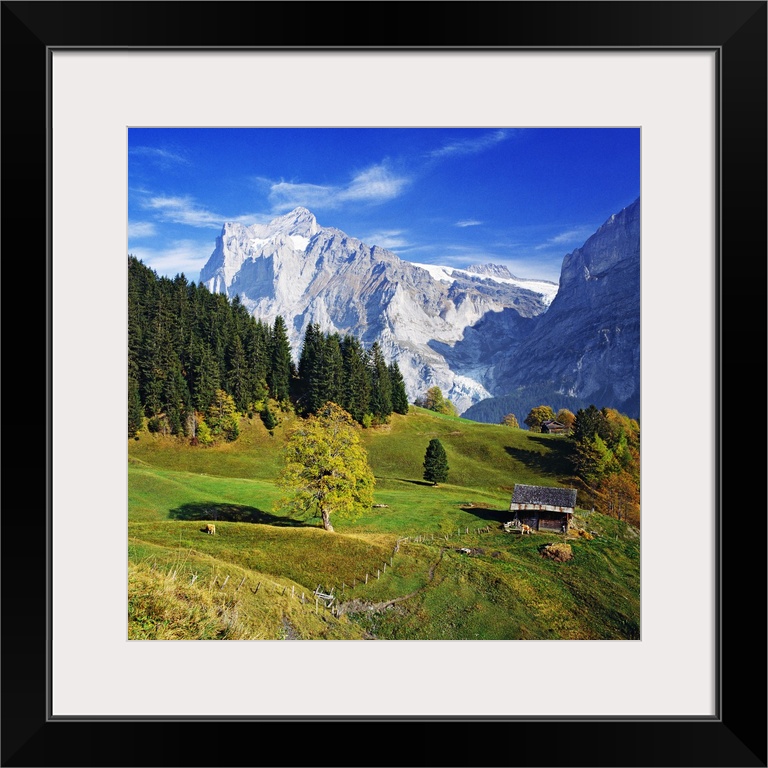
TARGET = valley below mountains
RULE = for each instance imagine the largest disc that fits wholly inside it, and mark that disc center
(480, 334)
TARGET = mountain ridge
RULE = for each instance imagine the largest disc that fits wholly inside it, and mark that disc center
(311, 274)
(477, 333)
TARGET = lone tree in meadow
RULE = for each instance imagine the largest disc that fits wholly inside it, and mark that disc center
(435, 463)
(434, 400)
(510, 420)
(326, 469)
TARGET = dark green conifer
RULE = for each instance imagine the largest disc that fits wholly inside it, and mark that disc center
(356, 385)
(399, 395)
(381, 387)
(280, 361)
(435, 463)
(135, 411)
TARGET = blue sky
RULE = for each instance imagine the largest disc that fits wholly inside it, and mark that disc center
(522, 197)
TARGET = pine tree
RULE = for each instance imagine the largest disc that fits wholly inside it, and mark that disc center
(238, 382)
(399, 395)
(381, 387)
(269, 420)
(356, 385)
(435, 463)
(135, 411)
(206, 379)
(589, 422)
(332, 369)
(257, 357)
(309, 394)
(279, 380)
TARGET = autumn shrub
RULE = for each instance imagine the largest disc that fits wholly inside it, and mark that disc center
(204, 436)
(560, 553)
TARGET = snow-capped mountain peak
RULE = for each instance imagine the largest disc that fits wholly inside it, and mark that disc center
(299, 223)
(293, 267)
(498, 274)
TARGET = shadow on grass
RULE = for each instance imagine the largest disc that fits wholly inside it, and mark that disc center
(415, 482)
(233, 513)
(489, 515)
(556, 460)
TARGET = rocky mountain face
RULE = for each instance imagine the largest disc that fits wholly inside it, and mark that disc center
(476, 333)
(311, 274)
(587, 345)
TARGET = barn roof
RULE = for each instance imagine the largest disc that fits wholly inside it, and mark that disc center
(553, 423)
(538, 494)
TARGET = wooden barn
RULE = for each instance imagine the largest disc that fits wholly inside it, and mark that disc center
(544, 509)
(553, 427)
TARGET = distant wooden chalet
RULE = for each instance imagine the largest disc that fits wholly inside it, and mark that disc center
(549, 509)
(554, 427)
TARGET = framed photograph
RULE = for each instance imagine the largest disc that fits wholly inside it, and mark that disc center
(688, 78)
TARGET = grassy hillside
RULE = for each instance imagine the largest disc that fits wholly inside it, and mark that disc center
(419, 585)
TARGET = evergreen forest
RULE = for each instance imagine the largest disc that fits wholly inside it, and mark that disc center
(197, 360)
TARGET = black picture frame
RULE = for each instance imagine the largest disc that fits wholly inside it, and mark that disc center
(736, 736)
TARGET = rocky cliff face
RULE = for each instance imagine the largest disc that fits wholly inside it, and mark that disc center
(475, 333)
(587, 345)
(311, 274)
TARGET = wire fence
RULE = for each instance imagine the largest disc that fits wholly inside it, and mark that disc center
(328, 596)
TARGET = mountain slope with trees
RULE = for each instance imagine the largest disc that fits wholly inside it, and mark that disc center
(195, 358)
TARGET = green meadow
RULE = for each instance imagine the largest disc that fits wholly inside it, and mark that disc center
(398, 572)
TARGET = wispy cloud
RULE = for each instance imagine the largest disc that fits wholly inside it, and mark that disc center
(469, 146)
(140, 229)
(158, 155)
(376, 184)
(574, 237)
(285, 195)
(184, 210)
(180, 256)
(390, 239)
(468, 223)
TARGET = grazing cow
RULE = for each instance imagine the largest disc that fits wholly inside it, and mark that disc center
(209, 528)
(525, 529)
